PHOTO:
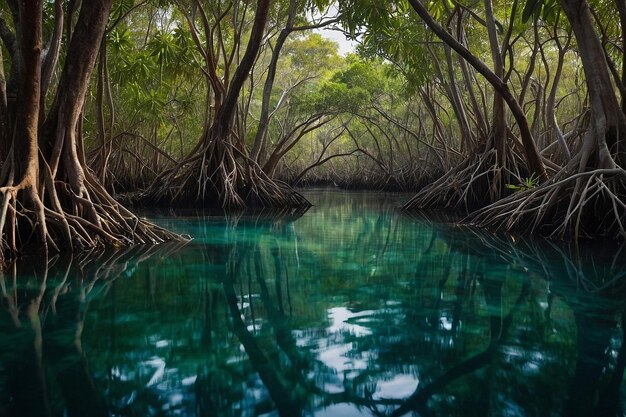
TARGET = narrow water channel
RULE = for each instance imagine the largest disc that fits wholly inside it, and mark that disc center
(352, 309)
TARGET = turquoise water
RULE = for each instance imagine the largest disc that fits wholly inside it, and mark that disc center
(352, 309)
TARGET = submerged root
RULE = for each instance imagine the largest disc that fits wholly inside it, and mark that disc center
(596, 269)
(475, 183)
(583, 204)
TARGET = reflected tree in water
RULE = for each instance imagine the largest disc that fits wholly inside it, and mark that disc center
(43, 367)
(590, 281)
(343, 312)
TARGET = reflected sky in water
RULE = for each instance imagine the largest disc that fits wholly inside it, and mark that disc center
(352, 309)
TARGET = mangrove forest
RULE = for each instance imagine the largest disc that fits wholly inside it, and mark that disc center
(312, 208)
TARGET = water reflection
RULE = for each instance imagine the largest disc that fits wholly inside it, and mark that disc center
(43, 367)
(590, 280)
(349, 310)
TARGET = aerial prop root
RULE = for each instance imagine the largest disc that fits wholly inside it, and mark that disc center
(270, 192)
(227, 177)
(13, 208)
(589, 203)
(245, 183)
(89, 219)
(476, 182)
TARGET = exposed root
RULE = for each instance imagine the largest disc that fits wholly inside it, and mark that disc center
(48, 197)
(475, 183)
(69, 221)
(570, 205)
(222, 176)
(131, 165)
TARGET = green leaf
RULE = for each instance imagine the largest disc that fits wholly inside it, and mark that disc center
(121, 8)
(530, 8)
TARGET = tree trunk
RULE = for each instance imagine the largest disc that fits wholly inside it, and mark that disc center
(499, 111)
(51, 56)
(25, 142)
(219, 172)
(481, 124)
(551, 102)
(226, 112)
(59, 130)
(4, 115)
(606, 146)
(45, 179)
(621, 10)
(467, 139)
(530, 149)
(587, 197)
(101, 165)
(264, 119)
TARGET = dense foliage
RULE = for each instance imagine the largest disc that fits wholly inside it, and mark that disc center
(508, 110)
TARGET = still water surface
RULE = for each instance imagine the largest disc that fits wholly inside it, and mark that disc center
(352, 309)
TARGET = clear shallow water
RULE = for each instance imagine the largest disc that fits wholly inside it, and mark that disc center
(350, 310)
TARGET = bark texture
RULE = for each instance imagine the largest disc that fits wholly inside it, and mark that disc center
(49, 198)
